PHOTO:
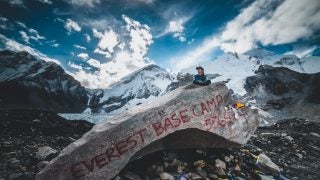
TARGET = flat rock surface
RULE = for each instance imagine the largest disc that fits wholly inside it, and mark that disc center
(190, 112)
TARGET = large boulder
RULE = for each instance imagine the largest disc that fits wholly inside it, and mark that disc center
(188, 117)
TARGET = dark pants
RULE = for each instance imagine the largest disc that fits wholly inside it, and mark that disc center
(201, 83)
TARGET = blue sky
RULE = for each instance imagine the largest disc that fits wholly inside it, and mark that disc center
(100, 41)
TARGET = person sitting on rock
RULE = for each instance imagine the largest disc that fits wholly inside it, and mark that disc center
(200, 78)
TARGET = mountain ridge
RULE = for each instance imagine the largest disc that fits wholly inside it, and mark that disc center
(144, 84)
(27, 82)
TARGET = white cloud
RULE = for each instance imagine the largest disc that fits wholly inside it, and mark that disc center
(79, 47)
(3, 19)
(35, 35)
(21, 24)
(141, 38)
(96, 33)
(94, 63)
(302, 51)
(59, 20)
(15, 46)
(3, 22)
(108, 40)
(133, 41)
(99, 24)
(146, 1)
(195, 56)
(176, 28)
(18, 3)
(24, 37)
(182, 39)
(87, 3)
(45, 1)
(75, 66)
(292, 20)
(83, 56)
(105, 53)
(72, 25)
(269, 22)
(55, 45)
(88, 38)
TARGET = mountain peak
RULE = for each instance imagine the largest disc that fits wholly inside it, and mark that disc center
(28, 82)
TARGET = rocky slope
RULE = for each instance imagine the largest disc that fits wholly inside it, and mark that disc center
(25, 137)
(282, 93)
(30, 83)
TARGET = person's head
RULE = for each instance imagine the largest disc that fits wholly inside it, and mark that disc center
(200, 70)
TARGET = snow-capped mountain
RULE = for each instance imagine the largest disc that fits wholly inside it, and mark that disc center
(30, 83)
(234, 68)
(279, 86)
(26, 82)
(134, 89)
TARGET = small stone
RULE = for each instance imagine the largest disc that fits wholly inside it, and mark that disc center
(289, 138)
(315, 134)
(212, 176)
(14, 176)
(131, 176)
(23, 168)
(175, 162)
(266, 165)
(220, 163)
(172, 156)
(45, 152)
(166, 176)
(237, 168)
(200, 151)
(265, 177)
(12, 154)
(300, 156)
(158, 169)
(202, 172)
(180, 168)
(227, 159)
(36, 120)
(220, 171)
(14, 163)
(195, 176)
(238, 178)
(182, 177)
(42, 164)
(199, 163)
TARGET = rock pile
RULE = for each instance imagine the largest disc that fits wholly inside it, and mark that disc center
(246, 162)
(29, 139)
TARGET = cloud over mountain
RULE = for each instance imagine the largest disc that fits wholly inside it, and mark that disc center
(126, 52)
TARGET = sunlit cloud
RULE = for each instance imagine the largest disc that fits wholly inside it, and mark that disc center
(125, 52)
(71, 25)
